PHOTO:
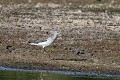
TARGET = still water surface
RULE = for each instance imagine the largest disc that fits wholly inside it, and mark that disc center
(19, 74)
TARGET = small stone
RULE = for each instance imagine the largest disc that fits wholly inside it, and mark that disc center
(18, 25)
(40, 28)
(61, 44)
(10, 48)
(92, 54)
(114, 63)
(80, 52)
(99, 0)
(66, 48)
(47, 32)
(70, 48)
(29, 26)
(95, 51)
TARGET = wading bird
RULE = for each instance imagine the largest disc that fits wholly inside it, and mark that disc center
(47, 42)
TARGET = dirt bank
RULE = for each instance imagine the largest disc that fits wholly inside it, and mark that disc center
(89, 41)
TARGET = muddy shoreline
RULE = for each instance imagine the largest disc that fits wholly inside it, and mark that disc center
(88, 41)
(65, 72)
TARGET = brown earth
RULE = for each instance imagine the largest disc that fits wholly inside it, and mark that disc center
(76, 2)
(88, 41)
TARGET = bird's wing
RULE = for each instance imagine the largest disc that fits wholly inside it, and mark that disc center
(37, 41)
(42, 40)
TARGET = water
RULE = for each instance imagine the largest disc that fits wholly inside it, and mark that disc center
(20, 74)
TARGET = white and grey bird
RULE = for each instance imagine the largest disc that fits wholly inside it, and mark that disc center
(47, 42)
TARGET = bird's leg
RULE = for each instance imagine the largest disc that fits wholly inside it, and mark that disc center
(44, 50)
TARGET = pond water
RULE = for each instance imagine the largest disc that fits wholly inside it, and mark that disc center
(20, 74)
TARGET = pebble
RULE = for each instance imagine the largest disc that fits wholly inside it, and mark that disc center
(9, 48)
(78, 51)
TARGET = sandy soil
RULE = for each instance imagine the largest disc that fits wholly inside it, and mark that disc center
(88, 41)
